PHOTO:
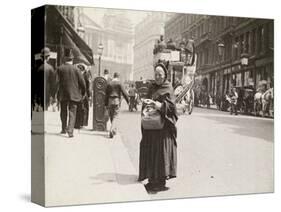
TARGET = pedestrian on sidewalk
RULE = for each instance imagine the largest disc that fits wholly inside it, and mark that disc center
(86, 100)
(44, 82)
(133, 98)
(233, 101)
(106, 75)
(82, 105)
(158, 147)
(71, 90)
(113, 93)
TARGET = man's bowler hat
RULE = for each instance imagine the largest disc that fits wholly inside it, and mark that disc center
(45, 52)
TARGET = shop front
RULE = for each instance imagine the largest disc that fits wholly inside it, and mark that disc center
(51, 29)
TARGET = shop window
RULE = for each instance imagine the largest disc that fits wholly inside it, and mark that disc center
(239, 79)
(251, 74)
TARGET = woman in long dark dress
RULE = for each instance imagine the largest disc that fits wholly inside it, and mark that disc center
(158, 148)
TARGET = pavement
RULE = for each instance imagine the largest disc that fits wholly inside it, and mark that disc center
(88, 168)
(218, 153)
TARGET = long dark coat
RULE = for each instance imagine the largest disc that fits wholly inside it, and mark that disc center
(158, 148)
(82, 115)
(44, 84)
(71, 83)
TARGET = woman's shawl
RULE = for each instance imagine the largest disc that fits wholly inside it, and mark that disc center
(165, 94)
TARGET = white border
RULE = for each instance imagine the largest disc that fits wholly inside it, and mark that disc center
(15, 104)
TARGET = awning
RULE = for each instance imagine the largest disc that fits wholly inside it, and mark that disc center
(70, 39)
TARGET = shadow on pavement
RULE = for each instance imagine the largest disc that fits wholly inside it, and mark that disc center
(122, 179)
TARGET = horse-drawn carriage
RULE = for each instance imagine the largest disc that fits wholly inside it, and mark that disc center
(263, 100)
(181, 65)
(249, 102)
(244, 102)
(142, 88)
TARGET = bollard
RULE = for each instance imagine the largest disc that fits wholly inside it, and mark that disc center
(99, 118)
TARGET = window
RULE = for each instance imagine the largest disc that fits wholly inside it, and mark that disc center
(214, 54)
(254, 43)
(214, 26)
(239, 79)
(210, 55)
(225, 22)
(242, 44)
(227, 50)
(260, 40)
(220, 24)
(210, 27)
(231, 21)
(207, 56)
(270, 34)
(234, 21)
(247, 42)
(236, 49)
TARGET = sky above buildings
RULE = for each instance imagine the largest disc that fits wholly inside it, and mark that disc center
(96, 14)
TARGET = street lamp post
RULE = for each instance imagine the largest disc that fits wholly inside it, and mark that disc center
(244, 63)
(234, 47)
(221, 51)
(99, 88)
(100, 50)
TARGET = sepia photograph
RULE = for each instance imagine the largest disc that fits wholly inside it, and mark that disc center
(139, 105)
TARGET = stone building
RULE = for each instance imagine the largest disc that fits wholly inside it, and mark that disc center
(232, 51)
(146, 33)
(116, 36)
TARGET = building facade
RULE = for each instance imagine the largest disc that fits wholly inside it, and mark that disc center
(116, 36)
(231, 51)
(147, 32)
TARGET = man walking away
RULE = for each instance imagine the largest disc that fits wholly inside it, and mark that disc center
(86, 100)
(71, 90)
(133, 98)
(80, 105)
(113, 101)
(82, 114)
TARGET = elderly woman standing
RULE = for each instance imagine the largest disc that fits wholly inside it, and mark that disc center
(158, 147)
